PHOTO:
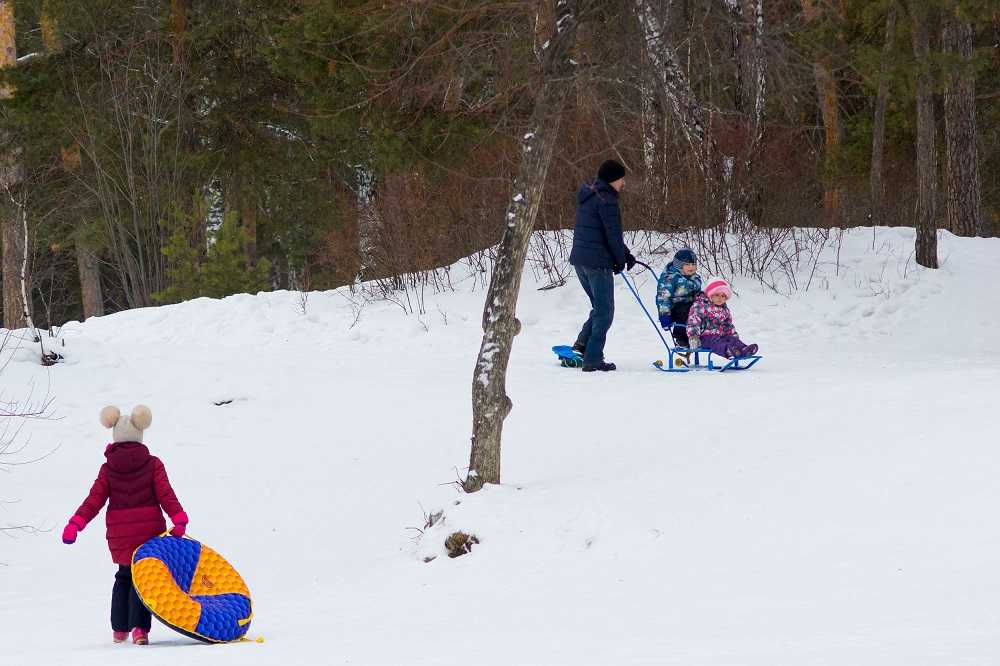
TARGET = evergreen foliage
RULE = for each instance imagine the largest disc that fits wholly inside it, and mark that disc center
(255, 144)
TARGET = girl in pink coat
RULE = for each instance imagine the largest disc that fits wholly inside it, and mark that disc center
(135, 486)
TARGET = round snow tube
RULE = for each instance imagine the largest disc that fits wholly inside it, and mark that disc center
(192, 589)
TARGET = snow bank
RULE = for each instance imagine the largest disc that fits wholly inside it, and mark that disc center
(830, 507)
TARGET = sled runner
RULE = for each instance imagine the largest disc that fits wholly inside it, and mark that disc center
(686, 360)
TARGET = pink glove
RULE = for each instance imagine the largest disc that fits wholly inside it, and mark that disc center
(73, 527)
(180, 521)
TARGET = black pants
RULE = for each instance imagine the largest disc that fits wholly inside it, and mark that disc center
(679, 315)
(127, 612)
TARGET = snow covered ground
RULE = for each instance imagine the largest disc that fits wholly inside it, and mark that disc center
(836, 505)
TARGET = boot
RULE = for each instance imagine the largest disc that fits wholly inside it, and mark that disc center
(600, 366)
(140, 636)
(119, 636)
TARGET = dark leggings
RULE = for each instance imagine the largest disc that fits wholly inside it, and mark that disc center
(127, 612)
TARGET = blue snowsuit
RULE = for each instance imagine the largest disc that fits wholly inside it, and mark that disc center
(675, 294)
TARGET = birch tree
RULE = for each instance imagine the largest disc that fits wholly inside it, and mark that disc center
(490, 402)
(694, 118)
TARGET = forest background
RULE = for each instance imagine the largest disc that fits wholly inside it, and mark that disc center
(153, 152)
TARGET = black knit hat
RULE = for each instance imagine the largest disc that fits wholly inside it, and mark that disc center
(686, 256)
(611, 171)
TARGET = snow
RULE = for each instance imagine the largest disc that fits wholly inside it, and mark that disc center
(832, 506)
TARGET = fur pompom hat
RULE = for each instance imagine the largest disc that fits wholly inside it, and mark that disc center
(127, 428)
(718, 286)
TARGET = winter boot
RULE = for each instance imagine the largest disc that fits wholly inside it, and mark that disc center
(119, 636)
(750, 350)
(600, 366)
(580, 349)
(140, 636)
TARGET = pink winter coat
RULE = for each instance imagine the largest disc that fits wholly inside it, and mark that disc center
(135, 485)
(706, 318)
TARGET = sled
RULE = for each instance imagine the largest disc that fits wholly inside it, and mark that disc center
(687, 360)
(680, 359)
(568, 358)
(192, 589)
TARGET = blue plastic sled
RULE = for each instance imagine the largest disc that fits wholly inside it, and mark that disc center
(680, 360)
(567, 357)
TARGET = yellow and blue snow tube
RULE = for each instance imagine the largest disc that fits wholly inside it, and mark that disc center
(192, 589)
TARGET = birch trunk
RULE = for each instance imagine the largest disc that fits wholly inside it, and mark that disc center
(675, 89)
(965, 214)
(490, 402)
(927, 165)
(878, 129)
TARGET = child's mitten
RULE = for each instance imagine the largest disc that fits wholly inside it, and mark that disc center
(180, 521)
(73, 527)
(666, 321)
(694, 342)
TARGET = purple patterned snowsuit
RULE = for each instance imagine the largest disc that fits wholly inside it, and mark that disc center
(713, 324)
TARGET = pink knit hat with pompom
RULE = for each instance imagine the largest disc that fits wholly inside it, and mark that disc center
(718, 287)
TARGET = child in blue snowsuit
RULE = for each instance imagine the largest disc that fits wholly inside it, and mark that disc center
(675, 291)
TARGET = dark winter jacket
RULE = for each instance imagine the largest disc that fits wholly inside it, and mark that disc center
(135, 485)
(597, 240)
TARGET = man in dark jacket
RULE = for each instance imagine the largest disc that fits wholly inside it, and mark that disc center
(598, 252)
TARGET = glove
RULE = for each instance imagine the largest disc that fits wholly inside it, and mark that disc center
(73, 527)
(694, 342)
(618, 269)
(629, 260)
(665, 321)
(180, 521)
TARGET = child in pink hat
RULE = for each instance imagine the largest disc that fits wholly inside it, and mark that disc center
(710, 323)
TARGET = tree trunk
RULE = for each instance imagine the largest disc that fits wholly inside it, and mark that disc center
(11, 175)
(829, 104)
(965, 214)
(50, 29)
(90, 282)
(490, 402)
(748, 54)
(673, 85)
(878, 129)
(86, 260)
(179, 10)
(927, 167)
(248, 221)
